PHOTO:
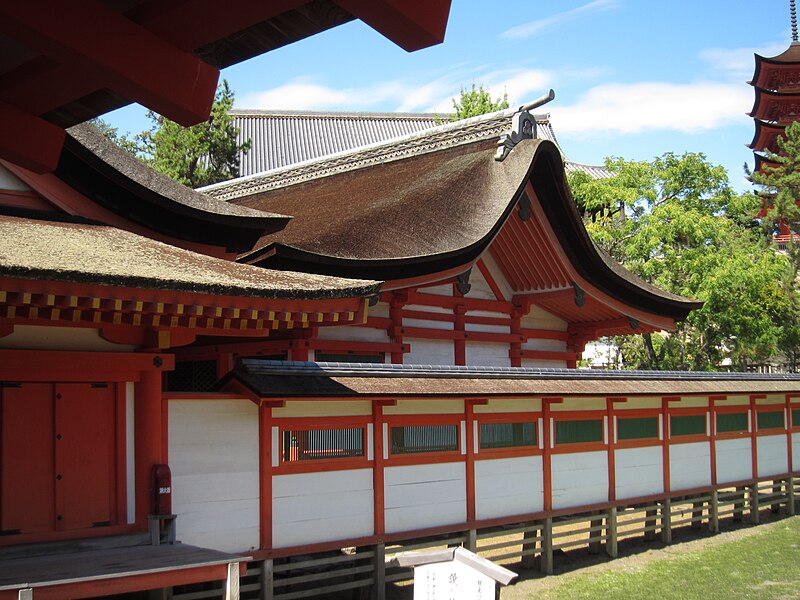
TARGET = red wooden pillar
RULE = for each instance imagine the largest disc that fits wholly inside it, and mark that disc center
(396, 303)
(547, 473)
(665, 433)
(470, 444)
(754, 431)
(265, 454)
(712, 432)
(460, 343)
(148, 435)
(612, 447)
(515, 348)
(378, 443)
(224, 364)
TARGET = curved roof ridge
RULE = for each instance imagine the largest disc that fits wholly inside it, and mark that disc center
(446, 135)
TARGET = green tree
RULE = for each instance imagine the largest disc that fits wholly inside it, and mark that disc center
(476, 101)
(195, 156)
(676, 222)
(122, 140)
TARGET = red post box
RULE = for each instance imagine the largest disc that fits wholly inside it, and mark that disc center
(162, 490)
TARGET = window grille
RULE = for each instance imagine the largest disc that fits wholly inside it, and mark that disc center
(417, 439)
(727, 422)
(796, 417)
(322, 444)
(353, 358)
(770, 420)
(192, 376)
(687, 425)
(637, 428)
(507, 435)
(573, 432)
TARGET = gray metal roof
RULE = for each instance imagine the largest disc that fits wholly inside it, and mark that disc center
(283, 138)
(431, 139)
(595, 172)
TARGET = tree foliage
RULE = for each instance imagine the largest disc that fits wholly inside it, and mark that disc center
(676, 222)
(200, 155)
(476, 101)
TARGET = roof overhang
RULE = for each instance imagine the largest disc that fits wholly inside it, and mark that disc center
(67, 62)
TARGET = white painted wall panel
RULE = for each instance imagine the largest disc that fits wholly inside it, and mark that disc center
(773, 455)
(734, 460)
(579, 478)
(541, 344)
(538, 318)
(689, 465)
(479, 286)
(428, 324)
(487, 354)
(429, 352)
(9, 181)
(38, 337)
(639, 472)
(796, 452)
(353, 333)
(320, 507)
(420, 496)
(508, 486)
(213, 454)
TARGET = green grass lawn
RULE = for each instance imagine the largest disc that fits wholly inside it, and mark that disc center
(764, 565)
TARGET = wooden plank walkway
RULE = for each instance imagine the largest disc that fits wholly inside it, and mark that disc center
(59, 564)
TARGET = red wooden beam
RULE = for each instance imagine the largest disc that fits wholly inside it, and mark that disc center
(411, 24)
(29, 141)
(103, 45)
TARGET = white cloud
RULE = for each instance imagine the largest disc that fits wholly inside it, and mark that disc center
(404, 95)
(533, 28)
(737, 64)
(656, 106)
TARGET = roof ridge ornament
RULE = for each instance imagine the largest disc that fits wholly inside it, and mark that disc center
(523, 126)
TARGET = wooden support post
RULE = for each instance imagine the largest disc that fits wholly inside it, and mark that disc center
(738, 505)
(232, 582)
(611, 532)
(379, 587)
(697, 514)
(754, 504)
(528, 543)
(267, 579)
(471, 540)
(777, 489)
(595, 536)
(790, 507)
(713, 512)
(650, 521)
(546, 557)
(666, 521)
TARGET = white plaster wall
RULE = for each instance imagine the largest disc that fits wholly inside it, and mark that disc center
(497, 275)
(796, 452)
(538, 318)
(487, 354)
(9, 181)
(579, 478)
(689, 465)
(773, 455)
(734, 460)
(480, 288)
(320, 507)
(353, 333)
(428, 324)
(213, 454)
(429, 352)
(539, 344)
(639, 472)
(446, 289)
(508, 486)
(421, 496)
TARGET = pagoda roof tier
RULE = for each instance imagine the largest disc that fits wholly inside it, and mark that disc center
(415, 210)
(67, 62)
(776, 107)
(766, 137)
(763, 161)
(778, 73)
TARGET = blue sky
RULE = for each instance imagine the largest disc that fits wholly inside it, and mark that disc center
(633, 78)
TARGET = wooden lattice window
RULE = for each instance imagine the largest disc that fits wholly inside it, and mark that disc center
(579, 431)
(507, 435)
(730, 422)
(770, 419)
(322, 444)
(416, 439)
(687, 425)
(637, 428)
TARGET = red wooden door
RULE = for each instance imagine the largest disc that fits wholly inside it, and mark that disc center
(26, 458)
(85, 456)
